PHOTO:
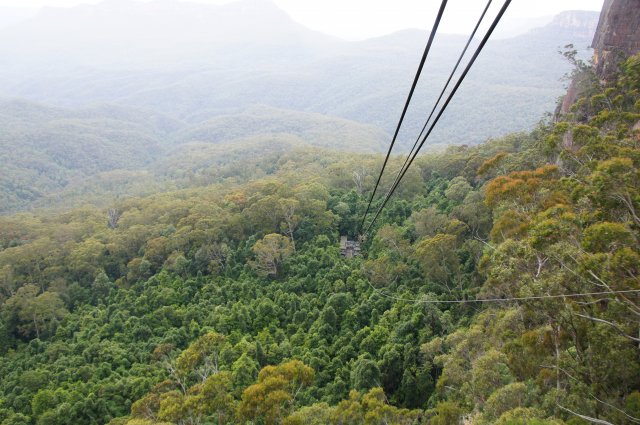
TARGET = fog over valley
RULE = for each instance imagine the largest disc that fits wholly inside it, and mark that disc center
(203, 66)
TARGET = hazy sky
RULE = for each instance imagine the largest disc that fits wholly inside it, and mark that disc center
(356, 19)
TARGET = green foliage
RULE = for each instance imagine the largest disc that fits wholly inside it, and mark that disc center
(271, 251)
(560, 230)
(34, 314)
(446, 413)
(606, 237)
(365, 375)
(271, 398)
(230, 303)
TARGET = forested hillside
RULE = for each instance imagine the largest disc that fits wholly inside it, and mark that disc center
(54, 157)
(230, 302)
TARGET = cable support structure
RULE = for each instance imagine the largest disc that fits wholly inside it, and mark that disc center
(446, 86)
(479, 49)
(434, 29)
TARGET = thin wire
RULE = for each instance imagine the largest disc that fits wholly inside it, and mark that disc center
(631, 418)
(446, 86)
(436, 24)
(491, 300)
(444, 107)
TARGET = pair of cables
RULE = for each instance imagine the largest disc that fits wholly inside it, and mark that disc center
(425, 133)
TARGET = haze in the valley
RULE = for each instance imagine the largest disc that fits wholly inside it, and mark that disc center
(122, 84)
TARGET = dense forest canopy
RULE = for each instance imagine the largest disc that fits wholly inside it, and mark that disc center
(54, 157)
(230, 302)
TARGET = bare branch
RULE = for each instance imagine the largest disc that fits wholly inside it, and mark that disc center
(631, 418)
(586, 418)
(113, 215)
(613, 325)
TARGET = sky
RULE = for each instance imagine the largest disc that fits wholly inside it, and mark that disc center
(359, 19)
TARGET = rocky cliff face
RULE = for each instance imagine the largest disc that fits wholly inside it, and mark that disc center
(617, 36)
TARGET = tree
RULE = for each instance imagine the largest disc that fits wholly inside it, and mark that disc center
(156, 251)
(272, 398)
(458, 189)
(7, 282)
(524, 188)
(359, 178)
(504, 399)
(475, 214)
(447, 413)
(365, 374)
(439, 259)
(215, 398)
(44, 400)
(270, 252)
(526, 416)
(113, 216)
(290, 218)
(263, 216)
(371, 408)
(84, 260)
(36, 314)
(174, 408)
(17, 419)
(606, 237)
(244, 372)
(139, 269)
(101, 285)
(202, 357)
(317, 414)
(428, 222)
(489, 373)
(212, 258)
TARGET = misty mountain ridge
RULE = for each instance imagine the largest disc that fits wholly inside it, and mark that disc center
(116, 33)
(277, 62)
(579, 23)
(125, 33)
(131, 89)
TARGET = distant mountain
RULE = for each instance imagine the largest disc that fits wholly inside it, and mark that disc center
(578, 24)
(195, 62)
(311, 128)
(126, 33)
